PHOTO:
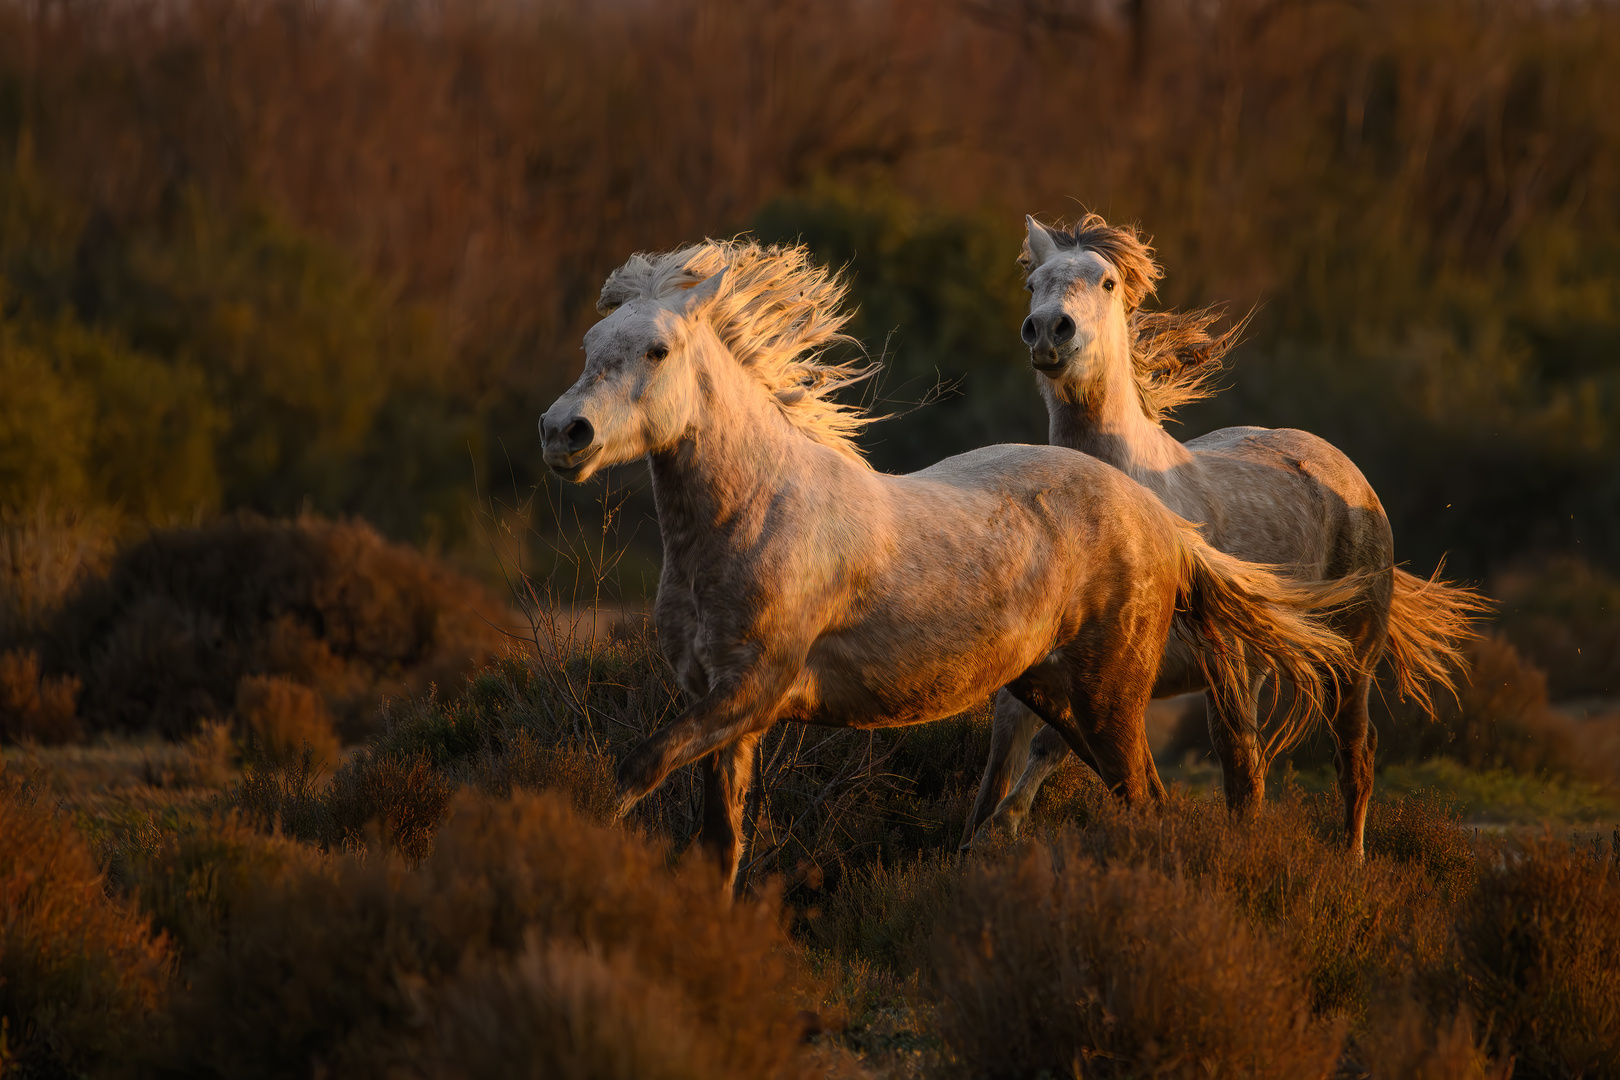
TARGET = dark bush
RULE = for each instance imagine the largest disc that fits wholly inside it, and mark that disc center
(1563, 614)
(35, 708)
(163, 639)
(524, 912)
(1538, 941)
(1411, 1044)
(1501, 719)
(1052, 963)
(82, 978)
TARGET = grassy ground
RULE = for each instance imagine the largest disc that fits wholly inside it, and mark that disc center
(913, 958)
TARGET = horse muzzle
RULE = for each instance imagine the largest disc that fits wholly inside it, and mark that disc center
(569, 445)
(572, 466)
(1051, 360)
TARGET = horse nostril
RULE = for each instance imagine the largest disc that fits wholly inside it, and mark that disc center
(578, 434)
(1063, 329)
(1028, 332)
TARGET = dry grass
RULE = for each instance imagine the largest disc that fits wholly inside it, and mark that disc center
(280, 719)
(1051, 962)
(1537, 942)
(525, 912)
(82, 977)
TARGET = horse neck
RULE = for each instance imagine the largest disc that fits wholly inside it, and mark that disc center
(717, 485)
(1104, 418)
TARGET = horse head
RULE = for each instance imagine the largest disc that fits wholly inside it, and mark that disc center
(1078, 309)
(638, 391)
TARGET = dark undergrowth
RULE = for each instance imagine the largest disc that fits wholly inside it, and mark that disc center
(453, 900)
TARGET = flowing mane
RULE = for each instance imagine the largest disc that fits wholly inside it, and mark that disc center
(776, 311)
(1174, 357)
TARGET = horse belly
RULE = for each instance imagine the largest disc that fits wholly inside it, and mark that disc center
(866, 683)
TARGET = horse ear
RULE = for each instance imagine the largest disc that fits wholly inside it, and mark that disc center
(703, 290)
(1038, 243)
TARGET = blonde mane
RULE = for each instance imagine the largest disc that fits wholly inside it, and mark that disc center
(1174, 357)
(776, 311)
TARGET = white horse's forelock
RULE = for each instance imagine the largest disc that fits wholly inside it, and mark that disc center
(776, 311)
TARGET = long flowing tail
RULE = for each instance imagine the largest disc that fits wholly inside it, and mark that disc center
(1429, 623)
(1238, 615)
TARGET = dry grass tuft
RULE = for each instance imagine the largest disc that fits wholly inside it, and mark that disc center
(35, 708)
(1539, 939)
(82, 978)
(1051, 961)
(1410, 1044)
(281, 718)
(524, 911)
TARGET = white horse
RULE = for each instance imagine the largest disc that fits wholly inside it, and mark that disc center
(1110, 372)
(798, 584)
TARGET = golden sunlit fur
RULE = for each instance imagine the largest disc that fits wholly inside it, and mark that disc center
(776, 314)
(1174, 358)
(1109, 373)
(798, 584)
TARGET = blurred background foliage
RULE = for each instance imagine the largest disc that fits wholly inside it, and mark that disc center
(287, 257)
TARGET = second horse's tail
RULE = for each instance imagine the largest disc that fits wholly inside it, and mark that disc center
(1240, 617)
(1429, 622)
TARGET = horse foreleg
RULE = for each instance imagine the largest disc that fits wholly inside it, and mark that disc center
(1233, 728)
(728, 774)
(1011, 730)
(735, 707)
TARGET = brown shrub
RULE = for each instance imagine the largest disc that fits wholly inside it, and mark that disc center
(1408, 1044)
(81, 976)
(1351, 928)
(1564, 614)
(339, 968)
(35, 708)
(560, 1010)
(1539, 939)
(1052, 962)
(43, 554)
(279, 718)
(198, 878)
(163, 640)
(394, 802)
(1502, 719)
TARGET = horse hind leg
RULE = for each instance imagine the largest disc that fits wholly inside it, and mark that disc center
(1355, 739)
(728, 774)
(1046, 752)
(1234, 731)
(1013, 726)
(1103, 716)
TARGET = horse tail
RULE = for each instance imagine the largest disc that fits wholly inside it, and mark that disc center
(1429, 623)
(1234, 613)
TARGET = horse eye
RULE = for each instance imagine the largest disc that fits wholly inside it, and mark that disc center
(658, 352)
(1109, 284)
(1029, 286)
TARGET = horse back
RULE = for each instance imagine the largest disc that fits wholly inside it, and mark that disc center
(1287, 497)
